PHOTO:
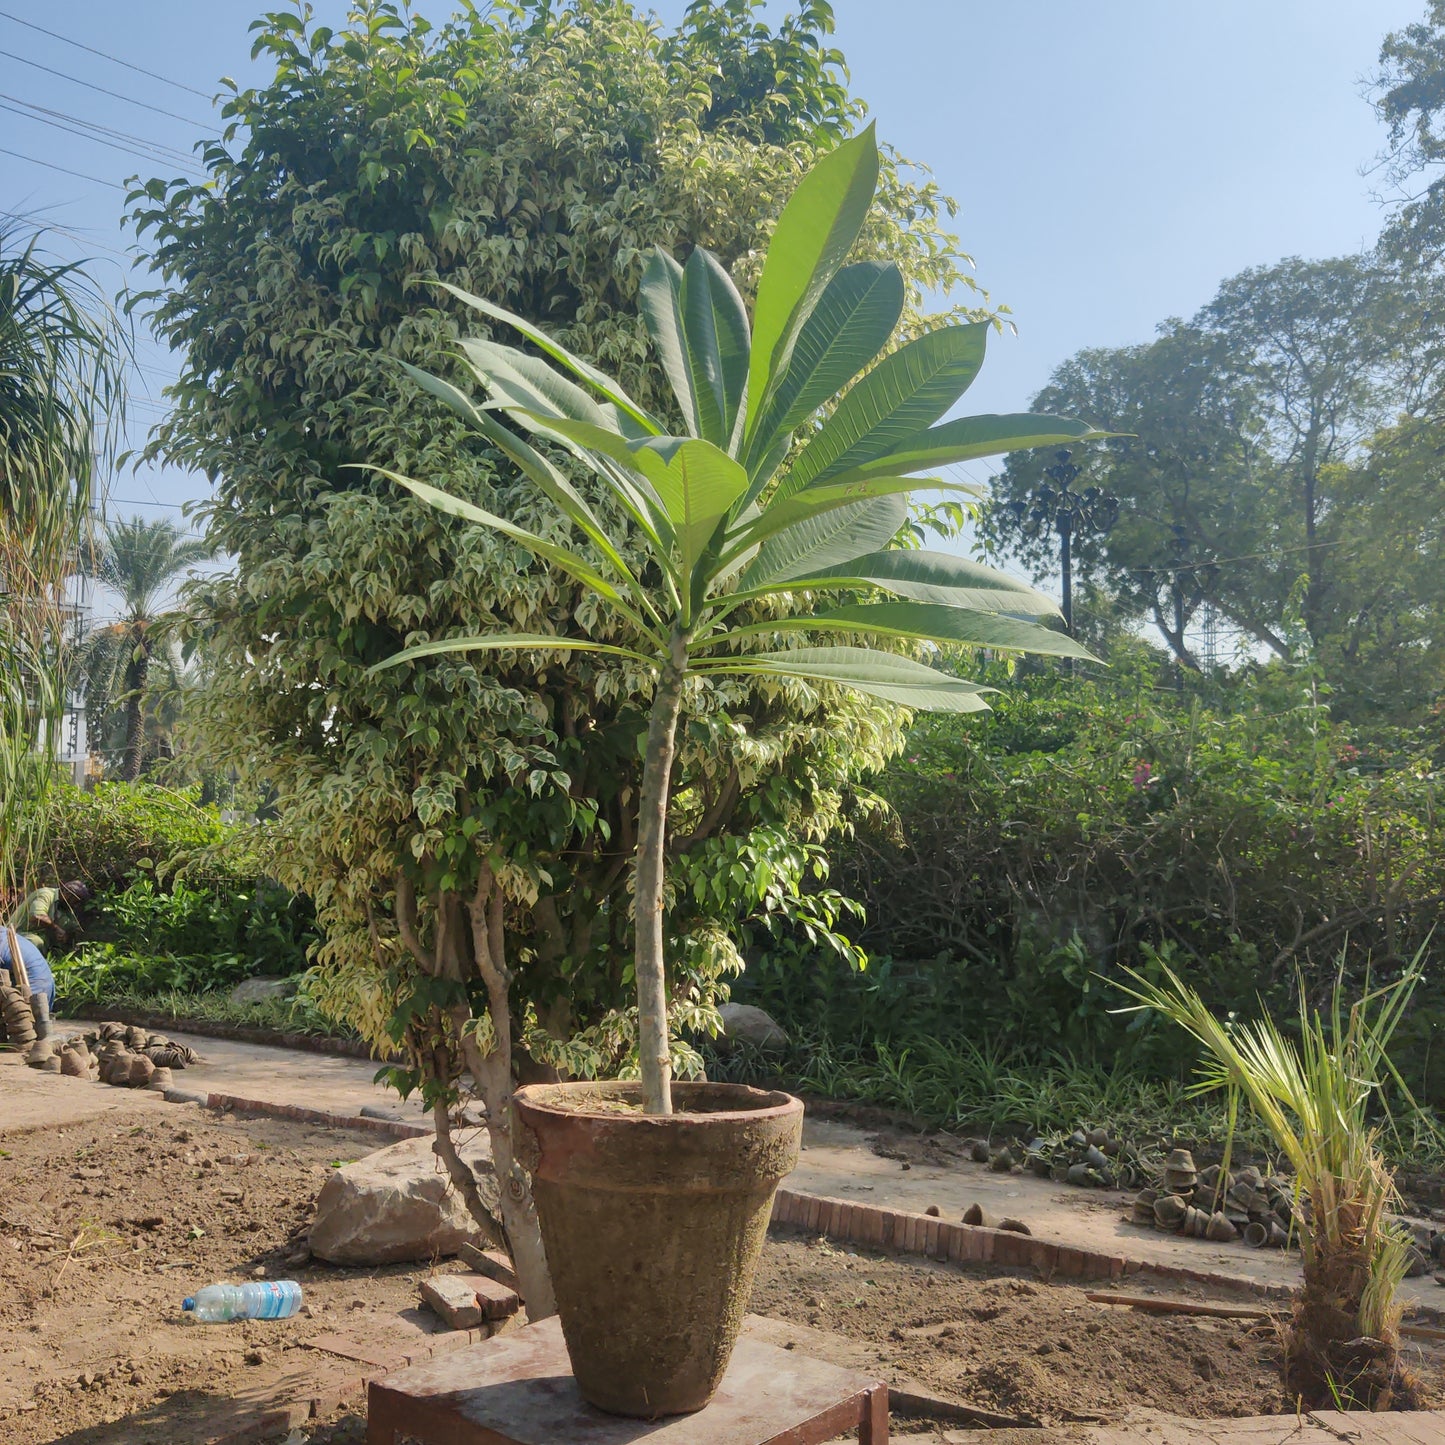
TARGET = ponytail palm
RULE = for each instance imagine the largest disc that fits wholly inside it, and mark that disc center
(751, 541)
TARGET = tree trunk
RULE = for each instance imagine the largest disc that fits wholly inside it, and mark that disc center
(491, 1071)
(653, 1046)
(134, 719)
(1066, 572)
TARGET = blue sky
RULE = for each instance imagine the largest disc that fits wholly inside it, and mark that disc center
(1113, 162)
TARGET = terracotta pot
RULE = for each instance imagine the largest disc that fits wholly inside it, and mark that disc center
(653, 1228)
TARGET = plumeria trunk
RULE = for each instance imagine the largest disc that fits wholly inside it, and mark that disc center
(491, 1073)
(654, 1049)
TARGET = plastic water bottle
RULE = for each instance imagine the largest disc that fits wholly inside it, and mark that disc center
(262, 1300)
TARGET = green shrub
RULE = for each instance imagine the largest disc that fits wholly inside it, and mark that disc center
(106, 835)
(1235, 832)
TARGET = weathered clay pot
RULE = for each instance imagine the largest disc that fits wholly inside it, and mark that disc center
(653, 1228)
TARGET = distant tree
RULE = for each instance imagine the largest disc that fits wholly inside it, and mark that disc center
(140, 562)
(1235, 428)
(1189, 470)
(1409, 96)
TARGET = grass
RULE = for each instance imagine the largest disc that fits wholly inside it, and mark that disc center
(293, 1015)
(1002, 1093)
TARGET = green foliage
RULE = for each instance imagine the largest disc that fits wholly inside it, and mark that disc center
(1075, 831)
(62, 402)
(131, 990)
(231, 929)
(533, 155)
(105, 835)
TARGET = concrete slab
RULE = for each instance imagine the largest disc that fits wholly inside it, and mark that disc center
(518, 1390)
(838, 1162)
(31, 1100)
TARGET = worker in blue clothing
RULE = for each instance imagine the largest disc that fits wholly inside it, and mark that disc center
(41, 979)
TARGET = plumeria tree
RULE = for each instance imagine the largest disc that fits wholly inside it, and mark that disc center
(747, 504)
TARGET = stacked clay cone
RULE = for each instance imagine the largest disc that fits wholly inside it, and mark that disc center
(1208, 1204)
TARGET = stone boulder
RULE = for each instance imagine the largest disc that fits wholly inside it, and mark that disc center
(745, 1024)
(397, 1206)
(258, 990)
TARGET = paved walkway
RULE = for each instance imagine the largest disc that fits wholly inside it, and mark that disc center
(327, 1082)
(839, 1163)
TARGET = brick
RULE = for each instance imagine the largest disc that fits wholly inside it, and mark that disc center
(872, 1225)
(454, 1298)
(892, 1226)
(490, 1262)
(955, 1239)
(815, 1209)
(498, 1301)
(348, 1347)
(1046, 1257)
(930, 1235)
(1071, 1262)
(1010, 1248)
(265, 1425)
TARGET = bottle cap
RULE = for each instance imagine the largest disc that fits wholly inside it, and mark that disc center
(188, 1303)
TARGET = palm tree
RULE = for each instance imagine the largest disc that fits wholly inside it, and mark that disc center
(62, 396)
(139, 561)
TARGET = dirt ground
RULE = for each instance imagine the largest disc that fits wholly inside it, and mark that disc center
(105, 1227)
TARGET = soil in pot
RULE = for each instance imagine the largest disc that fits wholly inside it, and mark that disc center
(653, 1227)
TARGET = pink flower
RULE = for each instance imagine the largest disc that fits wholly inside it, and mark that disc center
(1143, 775)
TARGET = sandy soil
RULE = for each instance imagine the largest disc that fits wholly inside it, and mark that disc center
(105, 1226)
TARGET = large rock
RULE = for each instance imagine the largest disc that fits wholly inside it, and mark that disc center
(258, 990)
(745, 1024)
(397, 1206)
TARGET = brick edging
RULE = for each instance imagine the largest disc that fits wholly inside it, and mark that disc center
(397, 1128)
(904, 1232)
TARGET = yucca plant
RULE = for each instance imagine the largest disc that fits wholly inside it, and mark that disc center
(1321, 1099)
(737, 518)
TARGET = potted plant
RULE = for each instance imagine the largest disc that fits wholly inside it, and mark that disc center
(654, 1197)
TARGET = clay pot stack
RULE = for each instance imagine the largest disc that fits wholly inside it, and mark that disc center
(128, 1057)
(1208, 1204)
(1089, 1159)
(17, 1017)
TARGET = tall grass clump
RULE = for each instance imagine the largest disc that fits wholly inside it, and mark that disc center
(1322, 1099)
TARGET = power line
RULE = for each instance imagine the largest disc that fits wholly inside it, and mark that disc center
(105, 55)
(94, 139)
(64, 170)
(161, 150)
(115, 94)
(42, 227)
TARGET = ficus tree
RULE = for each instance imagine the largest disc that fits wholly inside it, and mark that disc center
(472, 808)
(731, 516)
